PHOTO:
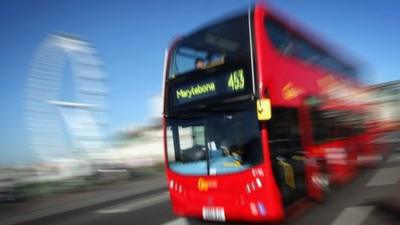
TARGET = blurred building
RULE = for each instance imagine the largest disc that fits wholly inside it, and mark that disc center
(138, 146)
(386, 105)
(141, 146)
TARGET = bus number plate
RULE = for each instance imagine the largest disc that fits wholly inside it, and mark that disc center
(214, 213)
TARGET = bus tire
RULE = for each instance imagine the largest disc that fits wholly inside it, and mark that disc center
(321, 180)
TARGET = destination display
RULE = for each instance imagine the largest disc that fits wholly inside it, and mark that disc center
(220, 83)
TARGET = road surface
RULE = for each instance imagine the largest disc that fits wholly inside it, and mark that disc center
(147, 202)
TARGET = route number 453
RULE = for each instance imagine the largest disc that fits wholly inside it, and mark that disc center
(236, 80)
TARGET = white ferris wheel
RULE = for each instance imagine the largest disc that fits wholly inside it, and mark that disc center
(73, 127)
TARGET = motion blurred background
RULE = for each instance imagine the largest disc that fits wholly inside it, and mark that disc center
(81, 82)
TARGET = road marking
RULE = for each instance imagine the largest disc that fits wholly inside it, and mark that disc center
(353, 215)
(385, 176)
(136, 204)
(394, 158)
(369, 158)
(179, 221)
(102, 196)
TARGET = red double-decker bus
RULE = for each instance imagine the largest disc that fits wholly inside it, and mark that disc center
(257, 115)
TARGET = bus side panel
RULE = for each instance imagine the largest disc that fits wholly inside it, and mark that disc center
(274, 203)
(285, 79)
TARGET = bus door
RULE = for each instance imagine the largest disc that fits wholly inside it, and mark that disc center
(315, 166)
(287, 154)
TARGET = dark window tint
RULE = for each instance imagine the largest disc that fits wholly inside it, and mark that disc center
(214, 45)
(334, 124)
(284, 133)
(290, 44)
(278, 35)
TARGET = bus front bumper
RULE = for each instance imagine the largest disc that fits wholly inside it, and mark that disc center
(230, 207)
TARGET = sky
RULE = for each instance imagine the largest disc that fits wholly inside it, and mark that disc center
(131, 37)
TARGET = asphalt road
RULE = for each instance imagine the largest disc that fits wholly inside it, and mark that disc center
(354, 204)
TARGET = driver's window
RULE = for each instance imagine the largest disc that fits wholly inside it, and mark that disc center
(198, 135)
(186, 137)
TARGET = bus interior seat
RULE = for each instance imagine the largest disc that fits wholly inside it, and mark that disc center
(194, 153)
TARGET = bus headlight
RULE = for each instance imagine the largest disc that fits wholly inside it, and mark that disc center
(257, 208)
(173, 185)
(253, 185)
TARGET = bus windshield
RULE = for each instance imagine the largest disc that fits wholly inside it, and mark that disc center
(214, 143)
(215, 45)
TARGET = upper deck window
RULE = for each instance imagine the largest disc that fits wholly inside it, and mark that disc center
(214, 45)
(290, 44)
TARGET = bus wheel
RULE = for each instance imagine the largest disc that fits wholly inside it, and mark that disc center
(321, 181)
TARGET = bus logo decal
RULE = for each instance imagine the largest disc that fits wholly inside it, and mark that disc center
(204, 184)
(289, 91)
